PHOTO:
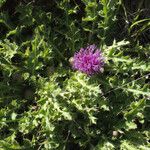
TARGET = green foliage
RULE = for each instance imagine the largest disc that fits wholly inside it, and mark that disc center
(45, 104)
(2, 2)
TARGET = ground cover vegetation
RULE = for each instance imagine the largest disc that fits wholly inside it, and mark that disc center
(49, 98)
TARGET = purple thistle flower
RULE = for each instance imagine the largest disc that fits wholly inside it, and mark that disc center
(88, 60)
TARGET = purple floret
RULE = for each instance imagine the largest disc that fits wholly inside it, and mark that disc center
(88, 60)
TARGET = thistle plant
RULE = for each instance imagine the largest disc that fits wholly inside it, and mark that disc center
(46, 105)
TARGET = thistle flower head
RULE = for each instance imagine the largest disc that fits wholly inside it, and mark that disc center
(88, 60)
